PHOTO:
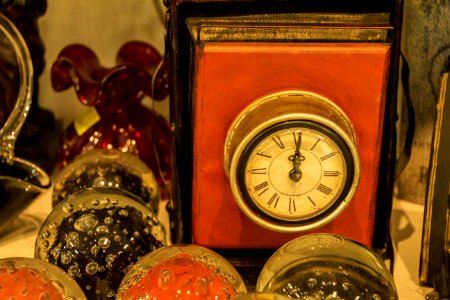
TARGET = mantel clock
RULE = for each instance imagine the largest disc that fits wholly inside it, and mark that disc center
(284, 119)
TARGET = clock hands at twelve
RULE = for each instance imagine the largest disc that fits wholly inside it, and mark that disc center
(296, 174)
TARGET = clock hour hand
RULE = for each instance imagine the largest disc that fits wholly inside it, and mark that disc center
(296, 174)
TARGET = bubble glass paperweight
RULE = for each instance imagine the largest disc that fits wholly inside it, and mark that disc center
(30, 278)
(182, 272)
(327, 266)
(96, 234)
(107, 168)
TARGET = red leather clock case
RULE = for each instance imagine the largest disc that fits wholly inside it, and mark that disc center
(229, 76)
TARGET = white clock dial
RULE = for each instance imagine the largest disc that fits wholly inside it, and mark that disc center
(294, 171)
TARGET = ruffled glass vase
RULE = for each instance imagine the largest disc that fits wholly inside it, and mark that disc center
(117, 117)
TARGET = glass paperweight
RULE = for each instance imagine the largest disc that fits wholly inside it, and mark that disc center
(96, 234)
(261, 296)
(326, 266)
(182, 272)
(107, 168)
(30, 278)
(116, 114)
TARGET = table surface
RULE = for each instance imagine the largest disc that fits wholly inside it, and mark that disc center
(407, 220)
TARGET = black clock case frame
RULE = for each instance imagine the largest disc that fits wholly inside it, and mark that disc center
(179, 52)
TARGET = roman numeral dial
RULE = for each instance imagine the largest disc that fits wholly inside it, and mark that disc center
(301, 173)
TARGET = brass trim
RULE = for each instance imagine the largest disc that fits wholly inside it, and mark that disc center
(306, 18)
(291, 28)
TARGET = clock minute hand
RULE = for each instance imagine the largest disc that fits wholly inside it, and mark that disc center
(296, 174)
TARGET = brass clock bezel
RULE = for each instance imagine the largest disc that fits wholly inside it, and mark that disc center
(279, 108)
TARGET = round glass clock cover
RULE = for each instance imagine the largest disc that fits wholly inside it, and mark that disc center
(292, 161)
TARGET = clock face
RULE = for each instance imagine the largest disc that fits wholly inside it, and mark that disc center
(296, 171)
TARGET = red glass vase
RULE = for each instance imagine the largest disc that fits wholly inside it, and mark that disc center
(117, 117)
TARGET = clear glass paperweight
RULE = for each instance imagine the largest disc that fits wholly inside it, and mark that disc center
(182, 272)
(326, 266)
(30, 278)
(107, 168)
(96, 234)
